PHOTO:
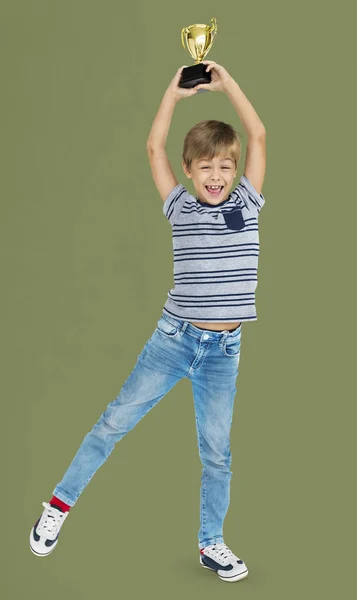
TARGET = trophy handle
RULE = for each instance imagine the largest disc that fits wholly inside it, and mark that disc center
(185, 30)
(213, 30)
(214, 27)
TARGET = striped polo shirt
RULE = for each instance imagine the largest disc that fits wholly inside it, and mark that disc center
(216, 250)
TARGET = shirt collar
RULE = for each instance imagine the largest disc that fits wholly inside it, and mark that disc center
(202, 203)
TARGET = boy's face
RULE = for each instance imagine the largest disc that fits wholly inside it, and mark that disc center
(218, 171)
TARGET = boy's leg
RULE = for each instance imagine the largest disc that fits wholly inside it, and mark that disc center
(154, 375)
(214, 389)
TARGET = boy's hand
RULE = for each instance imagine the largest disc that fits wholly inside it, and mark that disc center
(179, 92)
(220, 78)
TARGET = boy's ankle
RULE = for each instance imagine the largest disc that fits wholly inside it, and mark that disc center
(57, 503)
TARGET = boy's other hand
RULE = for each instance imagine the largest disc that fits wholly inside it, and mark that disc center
(179, 92)
(220, 78)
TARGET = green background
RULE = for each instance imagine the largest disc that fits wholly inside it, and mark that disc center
(86, 264)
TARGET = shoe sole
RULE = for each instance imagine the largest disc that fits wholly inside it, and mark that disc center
(229, 579)
(38, 554)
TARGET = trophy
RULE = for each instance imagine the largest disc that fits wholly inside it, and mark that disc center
(199, 39)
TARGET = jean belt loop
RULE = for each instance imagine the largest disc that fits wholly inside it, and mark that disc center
(183, 328)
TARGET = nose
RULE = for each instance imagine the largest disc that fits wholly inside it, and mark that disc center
(215, 176)
(217, 173)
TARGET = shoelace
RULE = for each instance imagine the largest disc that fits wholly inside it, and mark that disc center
(222, 553)
(50, 522)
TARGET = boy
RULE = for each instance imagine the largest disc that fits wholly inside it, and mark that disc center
(216, 247)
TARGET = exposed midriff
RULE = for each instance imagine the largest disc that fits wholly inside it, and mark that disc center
(216, 326)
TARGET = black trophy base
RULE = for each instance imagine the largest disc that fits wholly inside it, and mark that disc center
(194, 75)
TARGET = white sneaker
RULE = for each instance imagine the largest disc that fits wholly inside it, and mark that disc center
(219, 558)
(44, 534)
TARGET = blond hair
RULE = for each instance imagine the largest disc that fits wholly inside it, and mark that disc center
(211, 138)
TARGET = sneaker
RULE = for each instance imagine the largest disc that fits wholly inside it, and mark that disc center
(44, 533)
(219, 558)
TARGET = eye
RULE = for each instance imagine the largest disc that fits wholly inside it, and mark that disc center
(208, 167)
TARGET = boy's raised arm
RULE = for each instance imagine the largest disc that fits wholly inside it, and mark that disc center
(161, 169)
(255, 160)
(161, 125)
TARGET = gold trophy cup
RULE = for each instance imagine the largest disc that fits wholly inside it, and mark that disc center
(199, 39)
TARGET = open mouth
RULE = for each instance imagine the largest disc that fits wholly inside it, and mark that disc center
(213, 191)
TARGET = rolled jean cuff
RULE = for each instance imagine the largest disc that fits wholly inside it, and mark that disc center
(216, 540)
(63, 496)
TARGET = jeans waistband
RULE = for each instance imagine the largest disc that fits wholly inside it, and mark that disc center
(200, 333)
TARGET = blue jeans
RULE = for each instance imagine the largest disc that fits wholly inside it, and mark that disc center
(176, 349)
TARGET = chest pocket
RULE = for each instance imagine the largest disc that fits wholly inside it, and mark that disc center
(234, 219)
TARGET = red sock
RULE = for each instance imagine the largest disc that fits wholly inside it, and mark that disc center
(62, 505)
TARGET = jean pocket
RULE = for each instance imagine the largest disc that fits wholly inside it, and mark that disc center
(166, 328)
(231, 346)
(234, 219)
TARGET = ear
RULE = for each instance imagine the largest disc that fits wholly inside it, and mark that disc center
(186, 171)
